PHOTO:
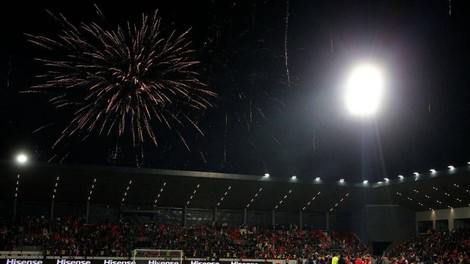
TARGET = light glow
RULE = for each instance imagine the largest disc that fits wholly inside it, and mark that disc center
(21, 158)
(364, 90)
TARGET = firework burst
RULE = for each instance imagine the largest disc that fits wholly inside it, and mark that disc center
(120, 81)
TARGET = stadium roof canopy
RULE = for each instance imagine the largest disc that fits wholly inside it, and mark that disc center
(150, 188)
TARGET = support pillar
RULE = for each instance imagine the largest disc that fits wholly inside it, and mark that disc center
(214, 216)
(52, 210)
(244, 215)
(273, 218)
(15, 204)
(327, 222)
(87, 212)
(185, 220)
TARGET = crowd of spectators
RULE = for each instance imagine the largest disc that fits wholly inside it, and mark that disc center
(71, 236)
(440, 248)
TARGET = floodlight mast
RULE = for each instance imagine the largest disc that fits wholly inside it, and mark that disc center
(21, 160)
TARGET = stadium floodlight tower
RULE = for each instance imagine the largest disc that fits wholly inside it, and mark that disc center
(364, 90)
(21, 160)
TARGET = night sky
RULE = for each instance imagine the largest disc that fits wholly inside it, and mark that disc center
(268, 117)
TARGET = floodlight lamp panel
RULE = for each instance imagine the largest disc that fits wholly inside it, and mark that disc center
(21, 158)
(364, 90)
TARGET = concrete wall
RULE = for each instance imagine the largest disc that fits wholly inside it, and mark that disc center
(444, 214)
(384, 223)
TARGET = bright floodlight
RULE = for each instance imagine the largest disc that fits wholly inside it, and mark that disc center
(21, 158)
(364, 90)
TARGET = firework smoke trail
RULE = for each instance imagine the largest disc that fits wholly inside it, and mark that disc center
(450, 7)
(285, 43)
(242, 64)
(123, 80)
